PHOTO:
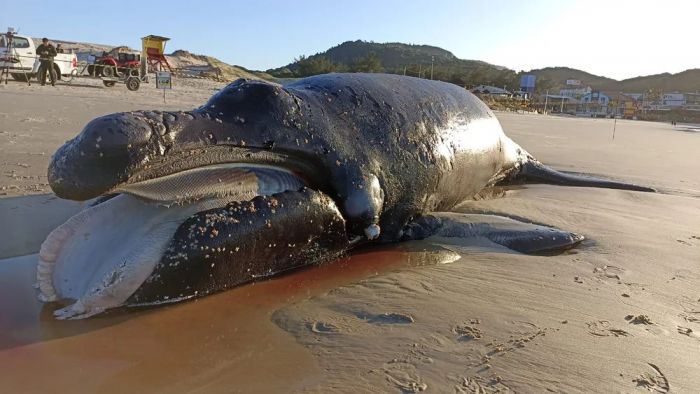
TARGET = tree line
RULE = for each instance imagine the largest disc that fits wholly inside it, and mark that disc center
(455, 72)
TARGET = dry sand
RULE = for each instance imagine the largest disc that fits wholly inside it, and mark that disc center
(621, 313)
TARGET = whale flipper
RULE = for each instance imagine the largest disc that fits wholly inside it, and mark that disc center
(533, 171)
(518, 236)
(243, 242)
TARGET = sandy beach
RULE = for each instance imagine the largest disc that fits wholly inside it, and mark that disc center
(620, 313)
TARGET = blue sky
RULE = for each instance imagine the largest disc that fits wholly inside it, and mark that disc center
(615, 38)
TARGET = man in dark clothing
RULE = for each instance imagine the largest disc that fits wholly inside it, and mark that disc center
(46, 53)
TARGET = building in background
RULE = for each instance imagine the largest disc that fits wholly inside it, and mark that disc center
(673, 100)
(557, 103)
(692, 101)
(636, 96)
(625, 106)
(575, 93)
(594, 104)
(491, 91)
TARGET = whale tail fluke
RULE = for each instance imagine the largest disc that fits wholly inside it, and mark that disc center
(532, 171)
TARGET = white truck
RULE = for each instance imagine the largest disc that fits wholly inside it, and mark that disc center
(22, 61)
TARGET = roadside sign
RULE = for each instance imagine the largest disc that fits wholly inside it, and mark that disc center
(164, 80)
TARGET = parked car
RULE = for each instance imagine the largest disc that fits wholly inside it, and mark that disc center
(23, 62)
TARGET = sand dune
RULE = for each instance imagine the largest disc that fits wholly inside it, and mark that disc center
(621, 313)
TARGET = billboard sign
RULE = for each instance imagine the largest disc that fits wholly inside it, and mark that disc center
(527, 83)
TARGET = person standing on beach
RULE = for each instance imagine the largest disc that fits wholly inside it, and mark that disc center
(46, 53)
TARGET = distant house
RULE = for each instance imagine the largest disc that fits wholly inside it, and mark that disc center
(492, 91)
(558, 103)
(575, 93)
(692, 101)
(673, 100)
(636, 96)
(594, 103)
(595, 98)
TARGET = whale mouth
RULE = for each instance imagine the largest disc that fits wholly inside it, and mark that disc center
(100, 256)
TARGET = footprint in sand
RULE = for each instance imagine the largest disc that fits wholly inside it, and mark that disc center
(603, 328)
(690, 318)
(639, 319)
(385, 318)
(691, 308)
(690, 240)
(609, 272)
(320, 327)
(391, 318)
(686, 275)
(404, 376)
(654, 380)
(688, 332)
(527, 334)
(480, 384)
(466, 332)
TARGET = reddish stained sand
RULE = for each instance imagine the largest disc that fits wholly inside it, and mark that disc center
(221, 342)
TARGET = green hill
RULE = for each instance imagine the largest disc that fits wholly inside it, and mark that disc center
(685, 81)
(398, 58)
(555, 78)
(392, 55)
(415, 60)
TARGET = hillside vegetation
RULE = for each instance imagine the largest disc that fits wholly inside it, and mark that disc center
(415, 60)
(398, 58)
(686, 81)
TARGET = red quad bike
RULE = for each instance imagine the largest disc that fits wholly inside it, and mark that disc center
(109, 66)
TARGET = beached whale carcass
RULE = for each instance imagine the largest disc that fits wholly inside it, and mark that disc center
(264, 178)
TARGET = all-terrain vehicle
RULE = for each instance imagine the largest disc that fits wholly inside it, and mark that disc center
(108, 65)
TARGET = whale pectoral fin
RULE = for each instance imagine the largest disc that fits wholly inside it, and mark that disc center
(532, 171)
(242, 242)
(521, 237)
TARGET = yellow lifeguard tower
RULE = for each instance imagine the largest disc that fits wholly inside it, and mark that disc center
(154, 49)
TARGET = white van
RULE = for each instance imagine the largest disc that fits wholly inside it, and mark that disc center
(23, 62)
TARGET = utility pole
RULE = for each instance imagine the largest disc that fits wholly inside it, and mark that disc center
(432, 60)
(420, 70)
(546, 96)
(620, 106)
(561, 110)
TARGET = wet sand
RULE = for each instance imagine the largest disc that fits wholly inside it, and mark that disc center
(222, 343)
(620, 313)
